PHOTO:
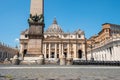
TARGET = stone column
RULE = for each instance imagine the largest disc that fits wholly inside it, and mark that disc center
(114, 52)
(60, 51)
(106, 54)
(94, 54)
(118, 50)
(21, 48)
(109, 55)
(117, 54)
(68, 50)
(83, 49)
(49, 50)
(45, 48)
(102, 55)
(69, 59)
(55, 51)
(98, 55)
(43, 51)
(74, 47)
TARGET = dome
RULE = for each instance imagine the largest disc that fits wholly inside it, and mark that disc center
(54, 28)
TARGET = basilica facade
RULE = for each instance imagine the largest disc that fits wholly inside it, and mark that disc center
(57, 43)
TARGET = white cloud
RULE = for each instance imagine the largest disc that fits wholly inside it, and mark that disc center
(17, 40)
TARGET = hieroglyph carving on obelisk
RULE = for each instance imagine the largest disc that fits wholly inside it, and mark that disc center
(37, 7)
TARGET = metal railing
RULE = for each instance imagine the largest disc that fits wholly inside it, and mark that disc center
(89, 62)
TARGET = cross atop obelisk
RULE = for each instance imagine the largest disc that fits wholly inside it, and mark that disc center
(37, 7)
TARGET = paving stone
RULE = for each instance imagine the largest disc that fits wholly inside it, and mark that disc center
(60, 73)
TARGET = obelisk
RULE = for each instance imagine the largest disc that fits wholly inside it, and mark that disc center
(36, 29)
(37, 7)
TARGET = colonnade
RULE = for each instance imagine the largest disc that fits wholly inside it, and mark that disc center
(56, 50)
(108, 52)
(6, 52)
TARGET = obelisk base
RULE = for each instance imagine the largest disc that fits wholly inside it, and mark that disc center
(33, 60)
(34, 47)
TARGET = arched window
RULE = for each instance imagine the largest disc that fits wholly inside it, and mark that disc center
(79, 36)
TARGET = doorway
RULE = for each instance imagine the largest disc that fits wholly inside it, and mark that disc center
(79, 53)
(52, 55)
(65, 54)
(24, 52)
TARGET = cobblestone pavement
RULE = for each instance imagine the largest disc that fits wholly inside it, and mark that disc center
(54, 72)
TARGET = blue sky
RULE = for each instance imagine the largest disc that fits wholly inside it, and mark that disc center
(87, 15)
